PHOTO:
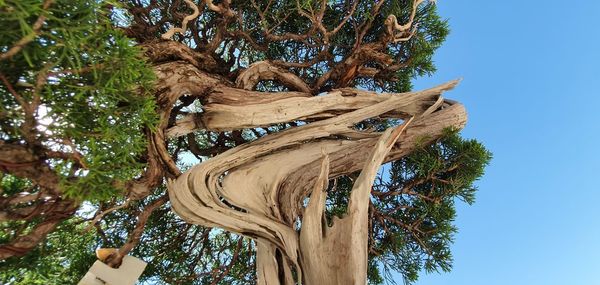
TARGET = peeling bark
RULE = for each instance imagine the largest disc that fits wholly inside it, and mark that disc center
(338, 254)
(263, 70)
(257, 189)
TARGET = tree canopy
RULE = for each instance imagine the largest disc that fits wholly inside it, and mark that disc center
(104, 102)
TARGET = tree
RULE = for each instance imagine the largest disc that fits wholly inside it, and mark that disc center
(290, 107)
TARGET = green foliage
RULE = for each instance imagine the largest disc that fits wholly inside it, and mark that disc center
(285, 17)
(418, 52)
(94, 91)
(11, 185)
(176, 252)
(414, 206)
(63, 259)
(181, 253)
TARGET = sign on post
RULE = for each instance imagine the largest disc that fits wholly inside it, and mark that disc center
(127, 274)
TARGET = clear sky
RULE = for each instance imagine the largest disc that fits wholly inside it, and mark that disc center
(531, 80)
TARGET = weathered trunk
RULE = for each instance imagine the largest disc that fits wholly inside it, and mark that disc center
(338, 254)
(258, 189)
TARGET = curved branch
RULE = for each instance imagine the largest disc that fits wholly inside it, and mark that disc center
(287, 106)
(222, 8)
(393, 27)
(171, 32)
(247, 189)
(134, 236)
(264, 70)
(21, 245)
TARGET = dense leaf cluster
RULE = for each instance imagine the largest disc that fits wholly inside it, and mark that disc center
(284, 33)
(63, 258)
(92, 86)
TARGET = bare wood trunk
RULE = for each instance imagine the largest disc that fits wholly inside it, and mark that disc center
(257, 189)
(271, 266)
(338, 254)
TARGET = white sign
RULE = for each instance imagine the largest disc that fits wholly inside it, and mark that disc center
(127, 274)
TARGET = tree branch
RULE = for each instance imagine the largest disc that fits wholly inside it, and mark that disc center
(35, 31)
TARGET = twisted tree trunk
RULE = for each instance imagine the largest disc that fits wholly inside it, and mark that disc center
(258, 189)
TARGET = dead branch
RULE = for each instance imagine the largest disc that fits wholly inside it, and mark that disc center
(263, 70)
(171, 32)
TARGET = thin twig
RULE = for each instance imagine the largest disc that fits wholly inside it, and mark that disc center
(37, 26)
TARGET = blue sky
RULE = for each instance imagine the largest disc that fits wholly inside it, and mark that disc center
(531, 79)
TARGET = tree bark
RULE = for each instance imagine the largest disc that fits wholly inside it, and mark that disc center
(21, 245)
(338, 254)
(257, 189)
